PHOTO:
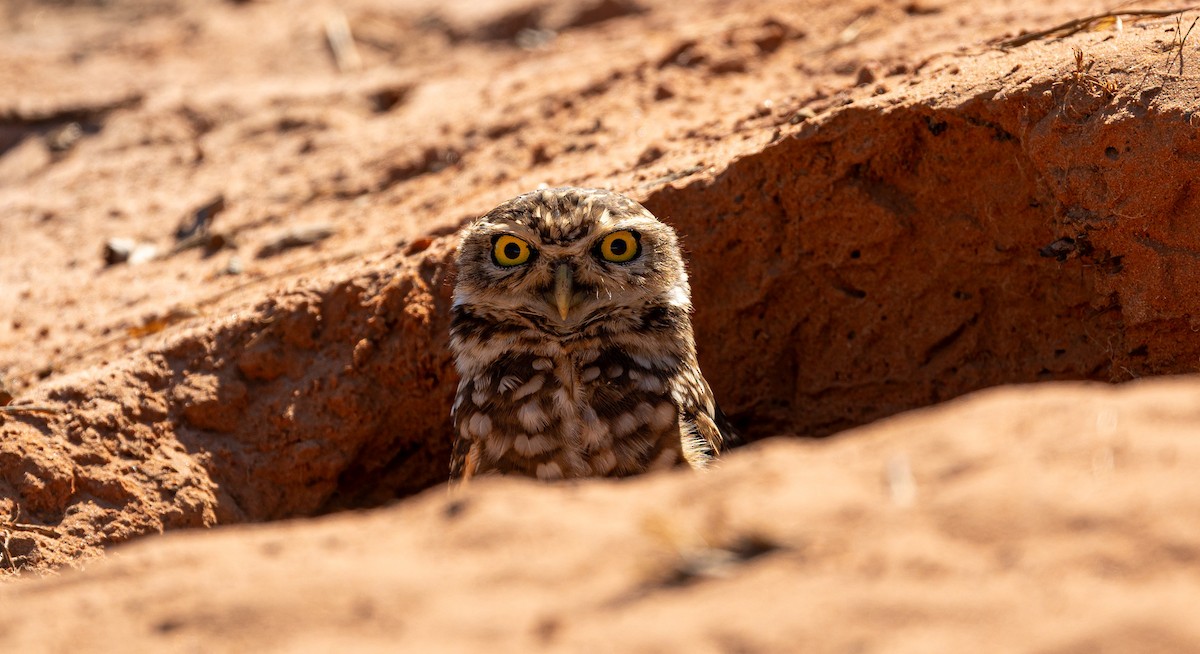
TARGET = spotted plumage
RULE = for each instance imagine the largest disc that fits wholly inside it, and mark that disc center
(573, 339)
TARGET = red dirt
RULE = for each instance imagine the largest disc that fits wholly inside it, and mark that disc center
(882, 212)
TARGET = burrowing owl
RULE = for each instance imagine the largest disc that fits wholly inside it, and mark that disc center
(573, 337)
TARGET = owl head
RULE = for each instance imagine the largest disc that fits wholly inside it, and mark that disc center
(570, 259)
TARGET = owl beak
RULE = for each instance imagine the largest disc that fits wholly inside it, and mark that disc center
(564, 289)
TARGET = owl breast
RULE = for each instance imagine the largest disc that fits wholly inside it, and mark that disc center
(554, 410)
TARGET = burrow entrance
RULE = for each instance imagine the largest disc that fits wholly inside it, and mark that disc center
(887, 260)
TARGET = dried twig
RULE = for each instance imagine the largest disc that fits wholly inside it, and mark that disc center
(14, 523)
(29, 408)
(1079, 24)
(295, 238)
(341, 43)
(37, 529)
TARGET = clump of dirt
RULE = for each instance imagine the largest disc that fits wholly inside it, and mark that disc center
(874, 224)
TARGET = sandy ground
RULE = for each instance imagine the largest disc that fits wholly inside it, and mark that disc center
(225, 274)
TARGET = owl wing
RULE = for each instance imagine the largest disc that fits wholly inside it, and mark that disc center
(462, 461)
(703, 427)
(458, 459)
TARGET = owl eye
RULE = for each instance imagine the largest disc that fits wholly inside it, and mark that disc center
(508, 251)
(619, 247)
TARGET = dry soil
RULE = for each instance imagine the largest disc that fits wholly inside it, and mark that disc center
(225, 269)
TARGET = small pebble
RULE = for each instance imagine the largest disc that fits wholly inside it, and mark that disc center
(126, 250)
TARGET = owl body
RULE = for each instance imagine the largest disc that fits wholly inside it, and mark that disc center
(572, 336)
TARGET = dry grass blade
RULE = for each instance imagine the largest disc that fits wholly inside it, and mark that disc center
(5, 555)
(1080, 24)
(1181, 38)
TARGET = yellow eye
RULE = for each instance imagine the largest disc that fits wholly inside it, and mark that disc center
(508, 250)
(619, 247)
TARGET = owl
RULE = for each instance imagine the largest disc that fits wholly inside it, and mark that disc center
(572, 336)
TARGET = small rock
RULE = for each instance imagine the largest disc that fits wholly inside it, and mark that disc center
(866, 75)
(126, 250)
(603, 10)
(728, 65)
(802, 115)
(649, 155)
(534, 39)
(387, 98)
(117, 250)
(142, 253)
(419, 245)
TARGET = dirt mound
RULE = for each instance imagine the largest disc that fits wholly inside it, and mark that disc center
(229, 278)
(1059, 518)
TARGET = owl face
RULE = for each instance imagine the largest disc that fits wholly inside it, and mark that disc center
(562, 260)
